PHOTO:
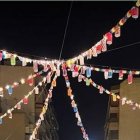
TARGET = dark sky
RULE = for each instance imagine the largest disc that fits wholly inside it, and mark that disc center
(37, 28)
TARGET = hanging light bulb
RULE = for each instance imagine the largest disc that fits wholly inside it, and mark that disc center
(10, 113)
(15, 84)
(25, 100)
(6, 87)
(22, 81)
(72, 97)
(40, 84)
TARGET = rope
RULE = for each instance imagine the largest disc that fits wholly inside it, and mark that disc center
(63, 41)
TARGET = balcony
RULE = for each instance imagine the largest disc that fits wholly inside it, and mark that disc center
(113, 126)
(114, 109)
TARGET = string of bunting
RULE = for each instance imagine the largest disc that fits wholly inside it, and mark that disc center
(99, 47)
(80, 74)
(94, 51)
(29, 80)
(44, 109)
(108, 72)
(45, 63)
(74, 105)
(115, 96)
(107, 39)
(23, 101)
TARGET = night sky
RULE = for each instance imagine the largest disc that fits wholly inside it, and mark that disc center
(37, 28)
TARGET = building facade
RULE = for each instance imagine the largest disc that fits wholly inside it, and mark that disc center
(23, 121)
(122, 122)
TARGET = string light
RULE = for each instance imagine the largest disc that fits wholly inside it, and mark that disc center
(22, 81)
(108, 72)
(44, 110)
(98, 48)
(107, 39)
(12, 56)
(18, 105)
(74, 106)
(115, 97)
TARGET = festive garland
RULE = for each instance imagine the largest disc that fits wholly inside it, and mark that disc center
(101, 89)
(107, 39)
(45, 63)
(74, 105)
(29, 81)
(108, 72)
(44, 109)
(98, 48)
(23, 101)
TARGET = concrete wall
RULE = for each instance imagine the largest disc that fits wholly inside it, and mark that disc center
(129, 120)
(13, 129)
(9, 74)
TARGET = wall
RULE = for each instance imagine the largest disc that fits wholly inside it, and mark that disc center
(129, 120)
(22, 118)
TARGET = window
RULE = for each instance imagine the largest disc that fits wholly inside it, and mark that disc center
(114, 117)
(114, 134)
